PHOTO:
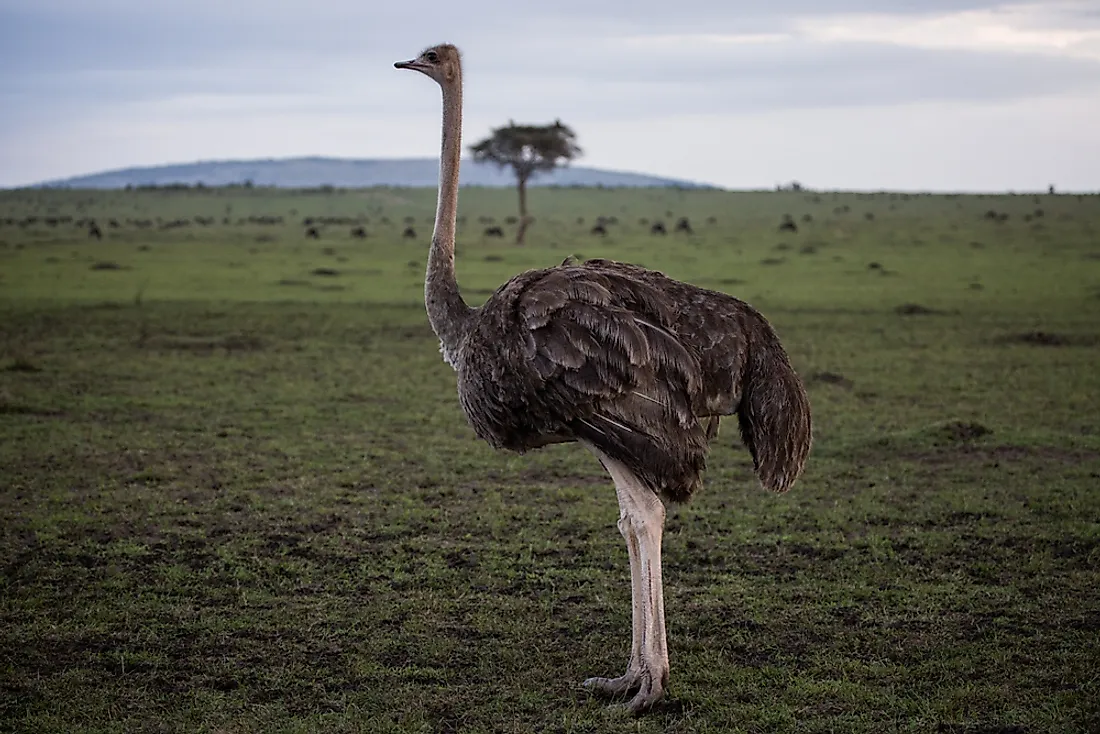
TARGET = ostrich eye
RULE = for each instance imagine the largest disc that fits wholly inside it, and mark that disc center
(432, 56)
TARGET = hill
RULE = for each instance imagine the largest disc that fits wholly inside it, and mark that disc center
(349, 173)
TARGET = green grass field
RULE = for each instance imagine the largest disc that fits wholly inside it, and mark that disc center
(238, 493)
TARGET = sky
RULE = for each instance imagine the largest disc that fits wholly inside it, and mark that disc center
(942, 95)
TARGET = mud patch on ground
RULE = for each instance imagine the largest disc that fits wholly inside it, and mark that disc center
(830, 378)
(916, 309)
(240, 342)
(11, 408)
(957, 431)
(548, 476)
(1049, 339)
(994, 456)
(21, 364)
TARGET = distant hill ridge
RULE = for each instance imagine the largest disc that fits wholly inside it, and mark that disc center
(350, 173)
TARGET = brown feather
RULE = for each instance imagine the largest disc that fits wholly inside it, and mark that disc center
(637, 364)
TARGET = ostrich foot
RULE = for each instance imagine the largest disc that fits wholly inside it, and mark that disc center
(649, 689)
(614, 687)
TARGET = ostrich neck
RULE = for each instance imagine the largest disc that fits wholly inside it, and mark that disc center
(447, 312)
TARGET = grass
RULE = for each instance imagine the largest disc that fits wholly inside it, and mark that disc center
(239, 494)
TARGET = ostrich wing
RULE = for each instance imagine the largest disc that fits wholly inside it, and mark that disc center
(587, 352)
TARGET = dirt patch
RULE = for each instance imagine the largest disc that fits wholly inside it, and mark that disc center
(980, 729)
(407, 333)
(187, 343)
(956, 431)
(325, 272)
(877, 267)
(557, 478)
(107, 265)
(21, 364)
(7, 408)
(915, 309)
(772, 261)
(1044, 339)
(830, 378)
(961, 452)
(1048, 339)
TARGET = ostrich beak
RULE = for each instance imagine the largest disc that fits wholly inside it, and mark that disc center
(410, 64)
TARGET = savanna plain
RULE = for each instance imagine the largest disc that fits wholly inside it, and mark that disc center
(238, 493)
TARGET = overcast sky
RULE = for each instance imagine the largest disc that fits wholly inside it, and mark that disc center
(867, 94)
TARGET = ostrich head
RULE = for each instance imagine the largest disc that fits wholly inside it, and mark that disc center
(441, 63)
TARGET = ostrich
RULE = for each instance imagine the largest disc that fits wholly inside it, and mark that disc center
(637, 367)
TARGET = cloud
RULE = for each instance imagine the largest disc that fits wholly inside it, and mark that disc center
(122, 82)
(776, 74)
(1053, 29)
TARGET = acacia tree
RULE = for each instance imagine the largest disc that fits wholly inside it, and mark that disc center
(528, 150)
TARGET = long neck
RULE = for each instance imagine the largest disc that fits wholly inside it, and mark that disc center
(447, 312)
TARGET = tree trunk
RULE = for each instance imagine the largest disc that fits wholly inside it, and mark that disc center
(523, 220)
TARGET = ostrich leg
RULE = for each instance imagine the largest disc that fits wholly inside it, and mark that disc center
(641, 522)
(630, 680)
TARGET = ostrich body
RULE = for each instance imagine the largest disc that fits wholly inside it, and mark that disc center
(636, 366)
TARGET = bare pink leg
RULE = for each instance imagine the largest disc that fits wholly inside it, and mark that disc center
(641, 522)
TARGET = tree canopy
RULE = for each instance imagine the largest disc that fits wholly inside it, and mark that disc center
(528, 150)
